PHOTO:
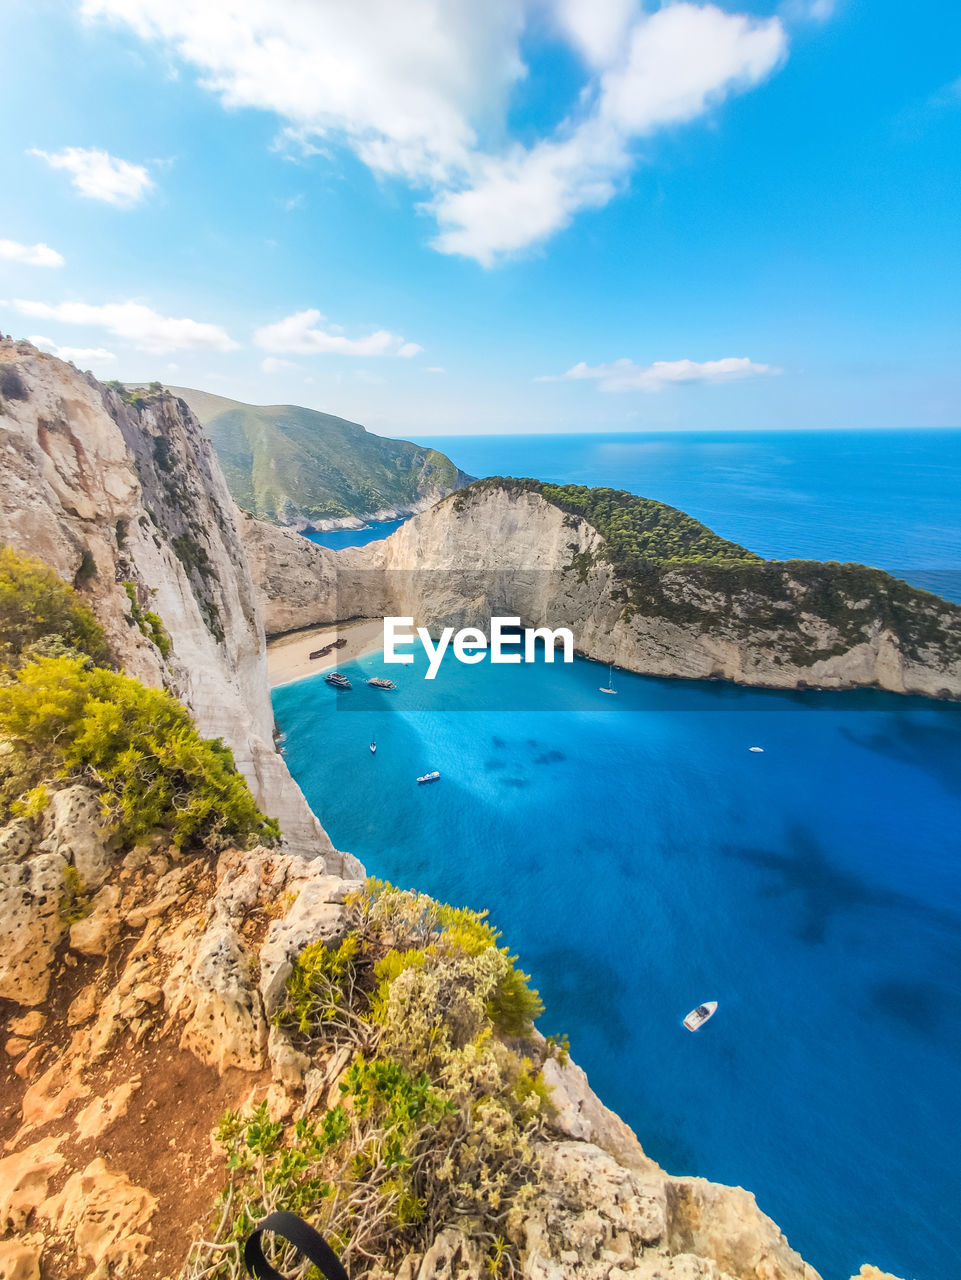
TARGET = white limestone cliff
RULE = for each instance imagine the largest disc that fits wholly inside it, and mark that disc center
(494, 550)
(107, 494)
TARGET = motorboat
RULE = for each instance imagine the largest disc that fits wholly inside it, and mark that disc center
(338, 680)
(373, 748)
(697, 1017)
(429, 777)
(378, 682)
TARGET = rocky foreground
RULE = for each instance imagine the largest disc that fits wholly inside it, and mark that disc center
(165, 1062)
(131, 1031)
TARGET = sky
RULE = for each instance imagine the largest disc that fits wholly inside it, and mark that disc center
(445, 217)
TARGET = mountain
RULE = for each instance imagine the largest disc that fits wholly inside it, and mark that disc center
(296, 466)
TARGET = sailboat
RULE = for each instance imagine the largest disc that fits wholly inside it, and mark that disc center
(610, 681)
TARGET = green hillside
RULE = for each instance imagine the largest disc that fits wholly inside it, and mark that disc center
(289, 465)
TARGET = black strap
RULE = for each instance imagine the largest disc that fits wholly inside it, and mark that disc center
(302, 1236)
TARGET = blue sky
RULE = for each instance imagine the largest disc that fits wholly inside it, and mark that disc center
(434, 216)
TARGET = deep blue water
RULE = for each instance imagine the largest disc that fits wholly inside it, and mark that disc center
(641, 859)
(336, 539)
(885, 498)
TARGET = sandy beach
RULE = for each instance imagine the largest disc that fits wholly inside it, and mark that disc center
(288, 657)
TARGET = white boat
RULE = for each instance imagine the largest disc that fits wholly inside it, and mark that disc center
(430, 777)
(610, 681)
(373, 748)
(755, 748)
(697, 1017)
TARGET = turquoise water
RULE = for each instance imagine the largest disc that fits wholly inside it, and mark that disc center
(641, 859)
(337, 539)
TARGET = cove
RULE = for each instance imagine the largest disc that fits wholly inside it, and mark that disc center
(641, 859)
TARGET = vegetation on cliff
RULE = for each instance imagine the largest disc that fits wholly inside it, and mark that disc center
(638, 531)
(437, 1116)
(286, 464)
(65, 716)
(671, 566)
(39, 613)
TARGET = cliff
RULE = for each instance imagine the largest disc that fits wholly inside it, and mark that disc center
(191, 1036)
(660, 595)
(295, 466)
(167, 1015)
(130, 505)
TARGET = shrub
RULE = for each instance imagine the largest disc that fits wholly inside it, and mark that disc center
(74, 901)
(150, 623)
(438, 1118)
(36, 604)
(64, 719)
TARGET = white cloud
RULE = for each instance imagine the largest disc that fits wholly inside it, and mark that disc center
(596, 27)
(625, 375)
(407, 85)
(271, 364)
(435, 368)
(34, 255)
(99, 175)
(135, 323)
(79, 355)
(302, 334)
(421, 89)
(676, 64)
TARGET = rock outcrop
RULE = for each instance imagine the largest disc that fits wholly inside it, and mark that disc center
(114, 1085)
(129, 503)
(493, 549)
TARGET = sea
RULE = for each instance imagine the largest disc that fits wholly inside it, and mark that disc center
(640, 858)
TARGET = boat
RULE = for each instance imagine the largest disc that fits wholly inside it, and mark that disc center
(697, 1017)
(378, 682)
(373, 748)
(337, 680)
(755, 748)
(610, 681)
(429, 777)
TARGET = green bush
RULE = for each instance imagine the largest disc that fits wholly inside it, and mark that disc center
(150, 623)
(439, 1118)
(74, 901)
(35, 604)
(65, 720)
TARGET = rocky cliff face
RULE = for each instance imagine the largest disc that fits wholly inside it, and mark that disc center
(128, 1033)
(493, 550)
(130, 505)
